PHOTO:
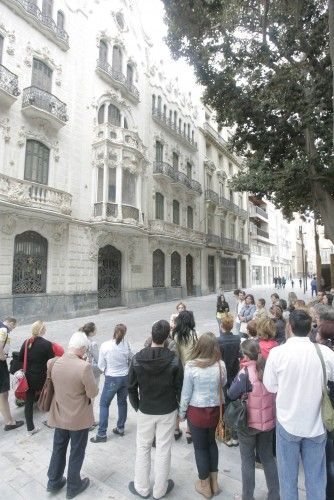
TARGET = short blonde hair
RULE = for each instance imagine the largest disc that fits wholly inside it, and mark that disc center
(37, 327)
(227, 322)
(78, 340)
(266, 329)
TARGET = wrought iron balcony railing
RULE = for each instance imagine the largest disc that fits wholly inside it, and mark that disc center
(173, 127)
(211, 196)
(9, 81)
(161, 167)
(31, 8)
(33, 96)
(118, 77)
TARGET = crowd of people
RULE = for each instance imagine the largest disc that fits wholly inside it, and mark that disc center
(264, 365)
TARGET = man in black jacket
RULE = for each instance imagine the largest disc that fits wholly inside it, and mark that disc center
(155, 384)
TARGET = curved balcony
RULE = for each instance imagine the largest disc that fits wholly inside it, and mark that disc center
(33, 14)
(173, 129)
(211, 196)
(38, 103)
(165, 169)
(118, 80)
(9, 90)
(170, 230)
(119, 136)
(117, 213)
(31, 194)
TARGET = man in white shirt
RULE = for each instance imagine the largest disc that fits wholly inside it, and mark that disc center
(293, 371)
(240, 303)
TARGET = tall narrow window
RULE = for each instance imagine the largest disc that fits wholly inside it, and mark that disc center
(100, 114)
(180, 125)
(175, 265)
(208, 181)
(159, 104)
(240, 200)
(30, 263)
(60, 20)
(103, 51)
(117, 59)
(114, 115)
(165, 110)
(175, 161)
(159, 206)
(232, 230)
(158, 268)
(184, 129)
(153, 102)
(175, 118)
(47, 7)
(189, 170)
(170, 117)
(230, 169)
(158, 151)
(129, 74)
(129, 188)
(1, 48)
(188, 131)
(210, 223)
(112, 185)
(231, 195)
(192, 136)
(190, 217)
(176, 212)
(36, 167)
(222, 228)
(99, 191)
(41, 75)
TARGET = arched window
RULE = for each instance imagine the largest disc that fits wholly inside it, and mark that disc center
(158, 268)
(180, 125)
(188, 130)
(117, 59)
(170, 117)
(129, 74)
(175, 118)
(36, 168)
(60, 20)
(30, 263)
(176, 212)
(153, 102)
(103, 51)
(159, 151)
(175, 261)
(165, 110)
(41, 75)
(190, 217)
(114, 115)
(100, 114)
(159, 206)
(159, 104)
(47, 7)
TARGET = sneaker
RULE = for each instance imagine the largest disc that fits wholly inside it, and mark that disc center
(229, 443)
(55, 489)
(118, 432)
(135, 492)
(170, 486)
(98, 439)
(10, 427)
(34, 431)
(235, 442)
(84, 485)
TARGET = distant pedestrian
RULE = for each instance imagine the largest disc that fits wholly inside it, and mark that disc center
(240, 303)
(222, 309)
(300, 282)
(283, 282)
(6, 327)
(71, 414)
(276, 313)
(275, 282)
(279, 281)
(313, 286)
(155, 384)
(292, 283)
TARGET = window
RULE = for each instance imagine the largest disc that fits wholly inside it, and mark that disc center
(175, 265)
(129, 188)
(114, 115)
(176, 212)
(158, 151)
(159, 104)
(117, 59)
(190, 217)
(231, 195)
(159, 206)
(192, 136)
(175, 118)
(230, 169)
(129, 74)
(1, 48)
(120, 20)
(41, 75)
(170, 117)
(232, 230)
(153, 102)
(36, 167)
(188, 131)
(180, 125)
(99, 192)
(175, 161)
(210, 223)
(240, 200)
(208, 181)
(60, 20)
(47, 7)
(100, 114)
(126, 123)
(165, 110)
(103, 51)
(222, 228)
(158, 268)
(112, 185)
(184, 129)
(221, 190)
(30, 263)
(189, 170)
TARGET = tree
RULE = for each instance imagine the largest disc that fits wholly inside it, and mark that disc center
(266, 69)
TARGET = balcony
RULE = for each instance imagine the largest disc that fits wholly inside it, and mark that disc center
(213, 240)
(38, 103)
(211, 196)
(258, 213)
(175, 231)
(32, 13)
(113, 212)
(109, 134)
(118, 80)
(9, 90)
(161, 168)
(173, 129)
(259, 233)
(232, 207)
(33, 195)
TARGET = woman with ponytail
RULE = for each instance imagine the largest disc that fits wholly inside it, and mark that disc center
(114, 360)
(261, 420)
(39, 351)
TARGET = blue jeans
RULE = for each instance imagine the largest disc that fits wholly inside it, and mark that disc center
(58, 459)
(289, 449)
(113, 386)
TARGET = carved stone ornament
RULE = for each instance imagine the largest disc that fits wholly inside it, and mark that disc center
(58, 231)
(9, 225)
(10, 36)
(5, 128)
(45, 55)
(209, 166)
(42, 134)
(221, 175)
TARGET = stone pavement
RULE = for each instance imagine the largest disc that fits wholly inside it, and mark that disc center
(24, 460)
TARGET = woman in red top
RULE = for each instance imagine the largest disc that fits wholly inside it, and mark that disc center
(266, 331)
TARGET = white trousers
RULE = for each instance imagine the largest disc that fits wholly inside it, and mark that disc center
(162, 427)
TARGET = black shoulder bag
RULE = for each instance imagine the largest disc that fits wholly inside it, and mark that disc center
(236, 411)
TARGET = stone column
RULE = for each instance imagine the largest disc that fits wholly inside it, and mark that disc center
(139, 197)
(105, 190)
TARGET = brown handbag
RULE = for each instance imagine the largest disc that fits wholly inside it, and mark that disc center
(220, 429)
(46, 395)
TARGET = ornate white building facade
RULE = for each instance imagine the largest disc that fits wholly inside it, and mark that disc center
(113, 182)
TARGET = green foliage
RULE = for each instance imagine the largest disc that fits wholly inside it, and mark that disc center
(266, 68)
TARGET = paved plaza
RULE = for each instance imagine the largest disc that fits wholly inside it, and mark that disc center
(110, 466)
